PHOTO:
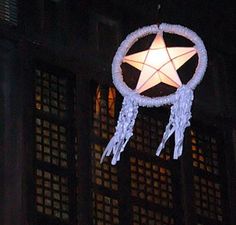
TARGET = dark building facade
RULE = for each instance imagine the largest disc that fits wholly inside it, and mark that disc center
(59, 110)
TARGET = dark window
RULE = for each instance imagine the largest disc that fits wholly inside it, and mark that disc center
(207, 183)
(104, 35)
(8, 11)
(142, 215)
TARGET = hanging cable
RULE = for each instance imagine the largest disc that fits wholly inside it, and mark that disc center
(159, 10)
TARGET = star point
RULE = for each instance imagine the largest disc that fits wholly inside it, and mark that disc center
(159, 64)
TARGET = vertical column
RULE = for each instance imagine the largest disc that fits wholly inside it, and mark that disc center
(83, 125)
(229, 146)
(12, 136)
(186, 182)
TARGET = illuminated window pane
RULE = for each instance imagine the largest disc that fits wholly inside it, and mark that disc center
(151, 182)
(208, 198)
(111, 101)
(103, 113)
(105, 210)
(146, 216)
(148, 133)
(52, 197)
(50, 94)
(103, 174)
(50, 142)
(205, 152)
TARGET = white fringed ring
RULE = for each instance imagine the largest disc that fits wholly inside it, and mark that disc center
(181, 99)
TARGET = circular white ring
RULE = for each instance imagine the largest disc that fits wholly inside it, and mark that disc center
(153, 29)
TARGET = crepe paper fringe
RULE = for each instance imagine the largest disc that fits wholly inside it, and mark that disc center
(179, 120)
(124, 130)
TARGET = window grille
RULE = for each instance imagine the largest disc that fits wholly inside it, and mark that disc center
(151, 182)
(205, 152)
(54, 145)
(50, 96)
(148, 133)
(207, 195)
(51, 143)
(105, 210)
(207, 183)
(146, 216)
(103, 174)
(52, 197)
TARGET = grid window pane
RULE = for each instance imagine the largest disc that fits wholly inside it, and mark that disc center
(207, 198)
(151, 182)
(52, 196)
(51, 143)
(103, 174)
(105, 210)
(149, 217)
(147, 136)
(50, 95)
(103, 113)
(205, 152)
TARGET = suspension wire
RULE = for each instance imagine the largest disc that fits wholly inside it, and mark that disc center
(159, 11)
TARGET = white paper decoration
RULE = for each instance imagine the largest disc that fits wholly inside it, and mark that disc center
(157, 64)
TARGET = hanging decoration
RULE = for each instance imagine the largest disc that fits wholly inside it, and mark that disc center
(158, 64)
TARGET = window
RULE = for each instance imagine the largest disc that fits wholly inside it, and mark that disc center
(8, 11)
(151, 177)
(205, 152)
(50, 96)
(148, 133)
(151, 182)
(51, 143)
(54, 145)
(207, 185)
(104, 176)
(52, 194)
(149, 185)
(105, 210)
(207, 195)
(143, 215)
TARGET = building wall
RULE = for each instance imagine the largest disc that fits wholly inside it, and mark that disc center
(78, 39)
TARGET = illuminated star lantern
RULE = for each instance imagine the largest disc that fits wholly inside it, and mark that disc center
(159, 64)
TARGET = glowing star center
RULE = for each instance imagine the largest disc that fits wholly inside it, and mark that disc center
(159, 64)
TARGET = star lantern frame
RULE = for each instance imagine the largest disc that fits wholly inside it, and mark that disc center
(157, 64)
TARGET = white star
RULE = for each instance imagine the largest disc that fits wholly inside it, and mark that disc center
(159, 64)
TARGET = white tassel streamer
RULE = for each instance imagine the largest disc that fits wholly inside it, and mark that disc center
(179, 120)
(124, 130)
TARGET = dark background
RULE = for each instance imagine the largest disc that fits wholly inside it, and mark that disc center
(79, 38)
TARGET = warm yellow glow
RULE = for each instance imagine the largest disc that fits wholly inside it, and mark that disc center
(159, 64)
(111, 101)
(98, 101)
